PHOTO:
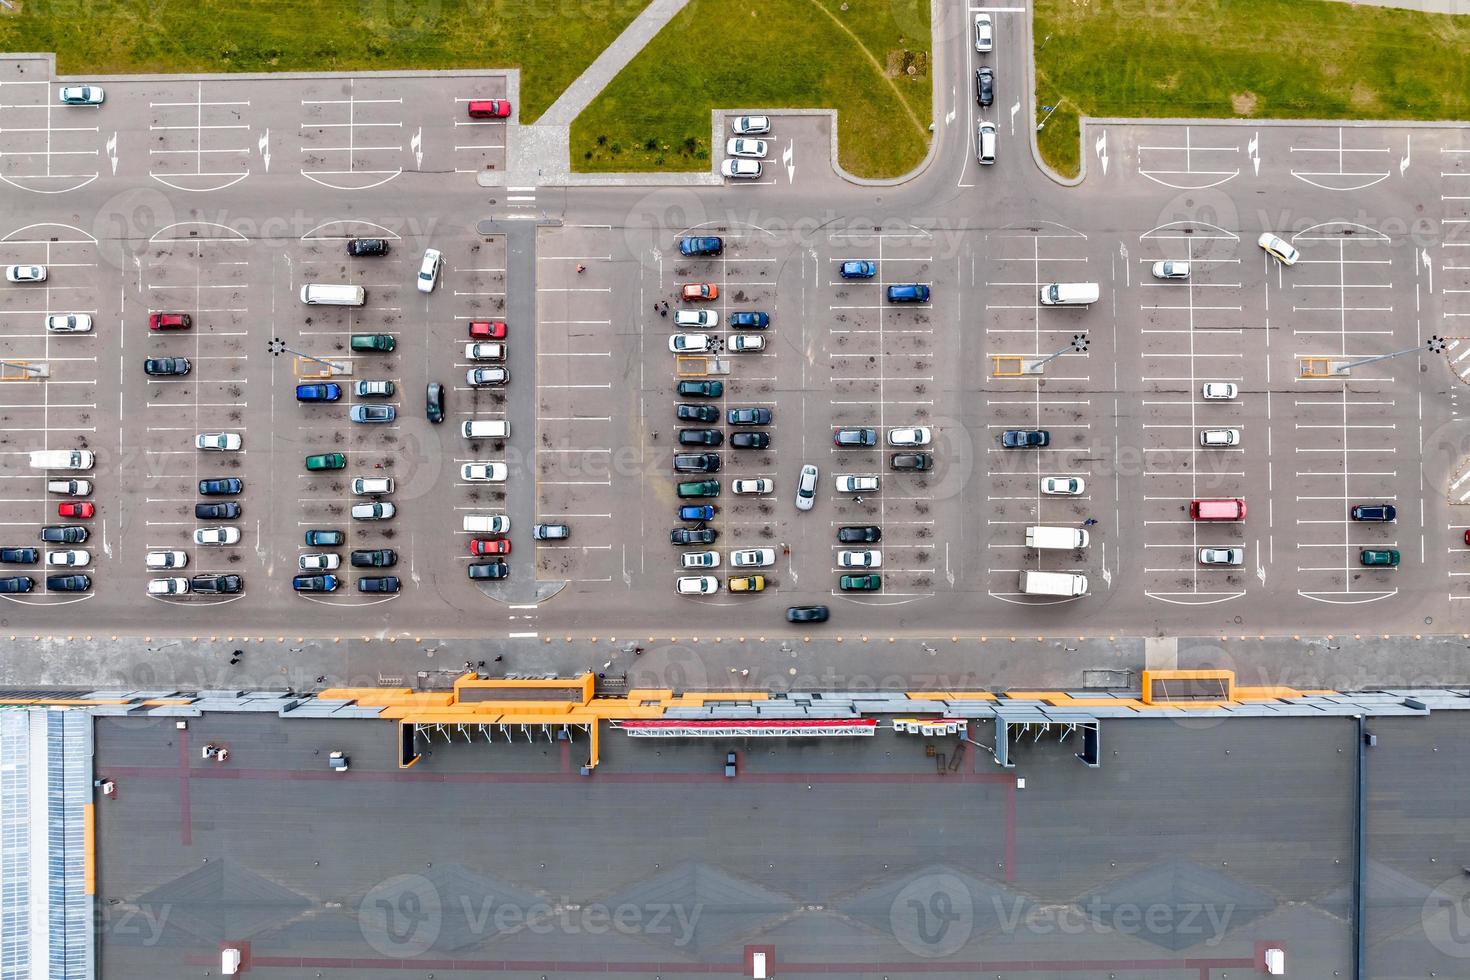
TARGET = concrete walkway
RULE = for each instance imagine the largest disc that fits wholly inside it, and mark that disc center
(614, 58)
(1460, 7)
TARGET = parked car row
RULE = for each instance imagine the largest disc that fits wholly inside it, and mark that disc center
(743, 152)
(985, 133)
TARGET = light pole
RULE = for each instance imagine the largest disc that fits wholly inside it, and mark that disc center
(1323, 367)
(277, 347)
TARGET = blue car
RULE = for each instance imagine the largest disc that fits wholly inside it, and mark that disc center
(697, 512)
(908, 292)
(322, 538)
(372, 413)
(701, 246)
(229, 484)
(318, 393)
(859, 269)
(750, 320)
(314, 583)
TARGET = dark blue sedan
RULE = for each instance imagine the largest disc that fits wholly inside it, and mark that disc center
(709, 245)
(908, 292)
(750, 320)
(318, 393)
(859, 269)
(697, 512)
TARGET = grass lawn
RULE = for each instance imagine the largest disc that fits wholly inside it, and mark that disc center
(778, 53)
(551, 42)
(1262, 59)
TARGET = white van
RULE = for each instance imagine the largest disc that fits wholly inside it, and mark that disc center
(1066, 538)
(486, 429)
(487, 523)
(331, 294)
(63, 459)
(1069, 294)
(367, 486)
(1053, 583)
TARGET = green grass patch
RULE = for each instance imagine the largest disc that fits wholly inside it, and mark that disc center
(870, 62)
(551, 41)
(1258, 59)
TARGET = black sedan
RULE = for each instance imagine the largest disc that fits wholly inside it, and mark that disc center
(749, 416)
(211, 584)
(17, 583)
(489, 569)
(1024, 438)
(64, 534)
(68, 583)
(434, 402)
(850, 438)
(911, 461)
(20, 556)
(378, 583)
(751, 440)
(706, 414)
(985, 85)
(163, 367)
(693, 535)
(701, 389)
(806, 614)
(860, 534)
(700, 437)
(696, 462)
(374, 558)
(227, 511)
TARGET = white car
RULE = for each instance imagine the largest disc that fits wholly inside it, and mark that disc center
(484, 352)
(848, 483)
(918, 435)
(738, 147)
(168, 586)
(753, 558)
(699, 319)
(697, 585)
(218, 441)
(1171, 270)
(686, 343)
(220, 535)
(806, 487)
(751, 125)
(69, 323)
(167, 559)
(1222, 556)
(71, 488)
(429, 270)
(1278, 248)
(700, 559)
(318, 561)
(364, 486)
(744, 343)
(367, 388)
(758, 485)
(859, 559)
(1219, 437)
(82, 95)
(75, 558)
(1219, 389)
(483, 472)
(25, 273)
(742, 169)
(481, 377)
(378, 511)
(1066, 486)
(984, 33)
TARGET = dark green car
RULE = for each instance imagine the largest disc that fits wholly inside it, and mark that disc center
(699, 488)
(860, 583)
(326, 461)
(381, 343)
(1379, 556)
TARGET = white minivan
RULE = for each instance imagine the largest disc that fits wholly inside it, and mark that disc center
(985, 142)
(1069, 294)
(486, 429)
(332, 294)
(367, 486)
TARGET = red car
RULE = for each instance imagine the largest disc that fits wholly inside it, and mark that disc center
(700, 290)
(489, 546)
(76, 508)
(170, 321)
(1467, 537)
(489, 108)
(488, 329)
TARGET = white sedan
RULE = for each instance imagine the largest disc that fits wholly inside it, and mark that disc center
(1171, 270)
(751, 125)
(753, 558)
(167, 559)
(318, 561)
(1278, 248)
(918, 435)
(483, 472)
(1222, 556)
(740, 169)
(697, 585)
(69, 323)
(1067, 486)
(860, 559)
(76, 558)
(484, 352)
(689, 343)
(700, 559)
(25, 273)
(429, 271)
(220, 442)
(1219, 390)
(82, 95)
(738, 147)
(220, 535)
(847, 483)
(758, 485)
(168, 586)
(984, 33)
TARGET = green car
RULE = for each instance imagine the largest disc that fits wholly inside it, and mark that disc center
(381, 343)
(1386, 556)
(326, 461)
(699, 488)
(860, 583)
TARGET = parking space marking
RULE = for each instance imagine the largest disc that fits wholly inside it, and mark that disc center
(200, 179)
(375, 177)
(1170, 172)
(29, 166)
(1340, 179)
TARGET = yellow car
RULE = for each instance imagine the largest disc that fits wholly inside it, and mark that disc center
(750, 583)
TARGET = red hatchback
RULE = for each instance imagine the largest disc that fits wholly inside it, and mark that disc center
(76, 508)
(488, 329)
(170, 321)
(489, 546)
(489, 108)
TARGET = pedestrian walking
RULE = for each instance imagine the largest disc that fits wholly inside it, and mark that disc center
(664, 312)
(1089, 522)
(858, 499)
(581, 268)
(322, 679)
(499, 658)
(637, 651)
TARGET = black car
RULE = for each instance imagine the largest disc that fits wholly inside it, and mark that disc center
(68, 583)
(378, 583)
(162, 367)
(217, 512)
(700, 437)
(489, 569)
(860, 534)
(693, 535)
(372, 246)
(985, 85)
(17, 583)
(375, 558)
(701, 389)
(214, 584)
(64, 534)
(707, 414)
(748, 416)
(1375, 512)
(849, 438)
(750, 440)
(911, 461)
(806, 614)
(229, 484)
(696, 462)
(1023, 438)
(20, 556)
(434, 402)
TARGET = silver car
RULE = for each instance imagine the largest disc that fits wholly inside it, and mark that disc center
(738, 147)
(751, 125)
(1171, 270)
(1222, 556)
(69, 323)
(25, 273)
(806, 487)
